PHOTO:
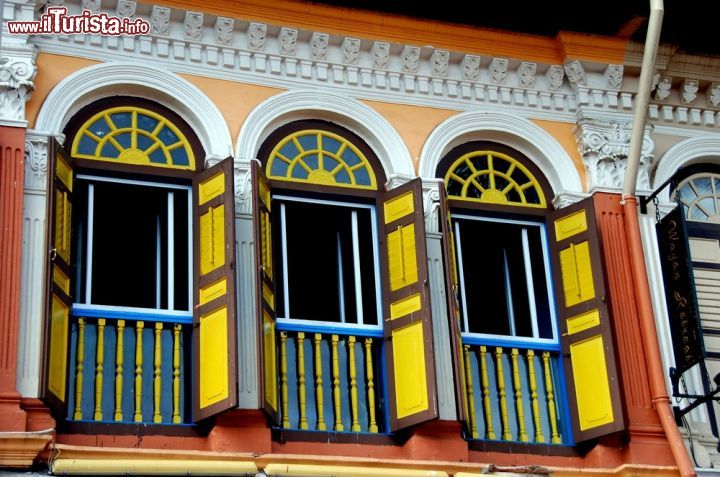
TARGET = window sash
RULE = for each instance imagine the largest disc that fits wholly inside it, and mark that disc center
(473, 337)
(312, 324)
(124, 311)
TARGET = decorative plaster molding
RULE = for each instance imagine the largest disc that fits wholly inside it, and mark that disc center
(431, 203)
(614, 76)
(92, 5)
(351, 51)
(554, 77)
(36, 160)
(575, 72)
(256, 36)
(527, 73)
(440, 60)
(410, 59)
(288, 41)
(689, 91)
(713, 94)
(512, 130)
(604, 148)
(17, 72)
(663, 87)
(160, 20)
(224, 30)
(193, 26)
(380, 54)
(565, 199)
(356, 116)
(126, 8)
(471, 67)
(498, 70)
(319, 44)
(103, 80)
(243, 187)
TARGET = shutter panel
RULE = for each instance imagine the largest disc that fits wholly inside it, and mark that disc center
(54, 389)
(265, 291)
(453, 304)
(587, 342)
(412, 396)
(214, 334)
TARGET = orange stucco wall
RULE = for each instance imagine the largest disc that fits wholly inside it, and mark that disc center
(234, 100)
(563, 133)
(51, 70)
(413, 123)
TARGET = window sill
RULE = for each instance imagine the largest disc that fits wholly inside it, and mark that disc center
(557, 450)
(329, 437)
(130, 428)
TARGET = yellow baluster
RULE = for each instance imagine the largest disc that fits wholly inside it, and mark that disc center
(372, 426)
(470, 393)
(485, 379)
(534, 396)
(555, 437)
(501, 390)
(176, 374)
(301, 380)
(100, 359)
(353, 386)
(283, 379)
(319, 383)
(79, 369)
(336, 383)
(119, 350)
(157, 383)
(518, 397)
(138, 369)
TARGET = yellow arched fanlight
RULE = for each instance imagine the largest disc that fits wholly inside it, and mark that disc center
(320, 157)
(495, 178)
(132, 135)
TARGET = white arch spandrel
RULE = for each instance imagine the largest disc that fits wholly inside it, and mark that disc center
(359, 118)
(130, 79)
(514, 131)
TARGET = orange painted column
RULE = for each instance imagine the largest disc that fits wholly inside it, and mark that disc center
(12, 157)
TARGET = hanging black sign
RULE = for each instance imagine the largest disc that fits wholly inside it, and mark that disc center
(680, 295)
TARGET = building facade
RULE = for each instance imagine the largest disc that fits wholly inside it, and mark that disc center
(308, 240)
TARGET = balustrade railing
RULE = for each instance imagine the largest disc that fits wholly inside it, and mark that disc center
(128, 371)
(512, 394)
(329, 381)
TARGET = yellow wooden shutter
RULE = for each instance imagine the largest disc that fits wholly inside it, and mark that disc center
(452, 290)
(265, 291)
(587, 341)
(54, 389)
(214, 333)
(412, 396)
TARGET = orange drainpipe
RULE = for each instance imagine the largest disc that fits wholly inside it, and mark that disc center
(660, 397)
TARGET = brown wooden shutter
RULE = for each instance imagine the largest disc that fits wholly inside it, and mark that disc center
(265, 291)
(452, 288)
(54, 386)
(214, 332)
(412, 396)
(587, 341)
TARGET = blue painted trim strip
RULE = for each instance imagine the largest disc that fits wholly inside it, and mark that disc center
(370, 333)
(156, 316)
(529, 344)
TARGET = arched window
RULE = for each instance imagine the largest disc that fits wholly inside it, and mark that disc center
(699, 195)
(524, 284)
(340, 286)
(139, 271)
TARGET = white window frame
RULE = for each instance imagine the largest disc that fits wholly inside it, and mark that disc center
(505, 339)
(88, 309)
(330, 325)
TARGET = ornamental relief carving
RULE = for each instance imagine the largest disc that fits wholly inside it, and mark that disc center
(604, 149)
(224, 30)
(243, 188)
(256, 36)
(471, 67)
(380, 55)
(440, 61)
(410, 59)
(193, 26)
(319, 45)
(36, 156)
(16, 86)
(288, 41)
(160, 20)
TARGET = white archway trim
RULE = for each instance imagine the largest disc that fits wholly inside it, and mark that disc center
(684, 153)
(514, 131)
(349, 113)
(129, 79)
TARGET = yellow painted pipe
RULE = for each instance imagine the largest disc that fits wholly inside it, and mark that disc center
(273, 470)
(151, 467)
